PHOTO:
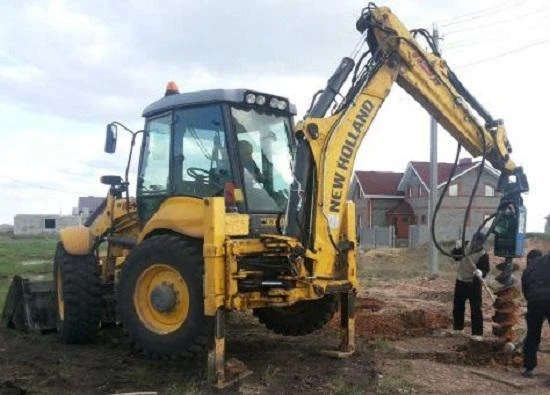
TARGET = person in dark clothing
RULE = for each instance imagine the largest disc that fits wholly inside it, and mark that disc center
(535, 285)
(470, 270)
(532, 255)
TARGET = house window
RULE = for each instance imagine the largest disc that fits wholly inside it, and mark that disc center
(410, 191)
(453, 190)
(49, 223)
(489, 190)
(423, 219)
(420, 190)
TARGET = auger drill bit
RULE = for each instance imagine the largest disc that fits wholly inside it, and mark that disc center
(506, 306)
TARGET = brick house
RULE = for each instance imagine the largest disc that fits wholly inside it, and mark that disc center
(401, 199)
(375, 194)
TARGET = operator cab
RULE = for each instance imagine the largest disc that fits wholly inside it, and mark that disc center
(235, 143)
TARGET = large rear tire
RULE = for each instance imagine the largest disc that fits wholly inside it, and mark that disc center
(78, 296)
(300, 319)
(160, 297)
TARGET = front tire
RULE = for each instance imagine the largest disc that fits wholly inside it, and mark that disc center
(302, 318)
(78, 296)
(160, 297)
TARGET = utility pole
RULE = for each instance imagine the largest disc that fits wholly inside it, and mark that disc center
(434, 257)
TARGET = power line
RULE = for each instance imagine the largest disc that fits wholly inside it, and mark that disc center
(446, 22)
(499, 22)
(483, 39)
(480, 13)
(471, 41)
(504, 54)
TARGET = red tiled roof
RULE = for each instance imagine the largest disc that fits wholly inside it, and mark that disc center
(443, 170)
(386, 182)
(379, 182)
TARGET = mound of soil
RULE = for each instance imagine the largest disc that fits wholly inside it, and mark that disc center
(422, 322)
(374, 322)
(487, 353)
(379, 326)
(369, 304)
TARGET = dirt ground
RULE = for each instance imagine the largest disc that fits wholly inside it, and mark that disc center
(39, 364)
(403, 318)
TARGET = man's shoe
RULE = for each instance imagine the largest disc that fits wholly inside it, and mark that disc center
(527, 373)
(457, 332)
(477, 338)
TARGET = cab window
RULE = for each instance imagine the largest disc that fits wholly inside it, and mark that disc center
(265, 155)
(201, 163)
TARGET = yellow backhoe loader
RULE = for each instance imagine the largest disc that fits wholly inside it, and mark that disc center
(237, 208)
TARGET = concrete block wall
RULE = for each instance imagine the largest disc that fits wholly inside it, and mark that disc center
(35, 224)
(377, 237)
(420, 234)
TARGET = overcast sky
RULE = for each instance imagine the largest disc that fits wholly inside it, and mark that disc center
(69, 67)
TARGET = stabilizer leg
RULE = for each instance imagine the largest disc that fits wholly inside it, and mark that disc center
(347, 327)
(222, 374)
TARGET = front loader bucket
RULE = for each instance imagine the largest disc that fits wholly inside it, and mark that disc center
(30, 305)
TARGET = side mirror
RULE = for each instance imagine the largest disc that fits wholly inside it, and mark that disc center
(111, 180)
(110, 138)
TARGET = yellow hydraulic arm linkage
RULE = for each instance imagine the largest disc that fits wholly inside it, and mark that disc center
(328, 144)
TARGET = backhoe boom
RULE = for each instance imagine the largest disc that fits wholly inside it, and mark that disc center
(327, 146)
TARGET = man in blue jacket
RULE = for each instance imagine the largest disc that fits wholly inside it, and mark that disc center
(535, 284)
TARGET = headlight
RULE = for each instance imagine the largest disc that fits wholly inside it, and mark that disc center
(260, 100)
(281, 105)
(273, 103)
(250, 98)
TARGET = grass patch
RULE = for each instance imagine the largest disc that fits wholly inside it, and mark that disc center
(399, 264)
(268, 375)
(385, 346)
(405, 365)
(339, 386)
(394, 385)
(350, 390)
(190, 388)
(24, 256)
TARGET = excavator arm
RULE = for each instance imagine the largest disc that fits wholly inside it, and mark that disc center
(429, 80)
(327, 145)
(318, 214)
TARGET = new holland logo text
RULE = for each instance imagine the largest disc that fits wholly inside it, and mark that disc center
(343, 166)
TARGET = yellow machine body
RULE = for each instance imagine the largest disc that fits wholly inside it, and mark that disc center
(333, 149)
(325, 265)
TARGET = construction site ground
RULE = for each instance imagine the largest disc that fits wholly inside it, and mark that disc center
(403, 346)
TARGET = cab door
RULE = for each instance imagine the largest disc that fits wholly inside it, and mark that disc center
(153, 182)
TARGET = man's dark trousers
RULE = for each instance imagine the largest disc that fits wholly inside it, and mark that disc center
(468, 291)
(536, 313)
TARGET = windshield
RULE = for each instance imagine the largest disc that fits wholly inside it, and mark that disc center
(265, 155)
(201, 163)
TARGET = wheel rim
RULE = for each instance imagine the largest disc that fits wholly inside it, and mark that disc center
(60, 301)
(161, 298)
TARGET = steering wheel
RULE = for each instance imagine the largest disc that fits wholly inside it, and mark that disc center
(204, 176)
(198, 174)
